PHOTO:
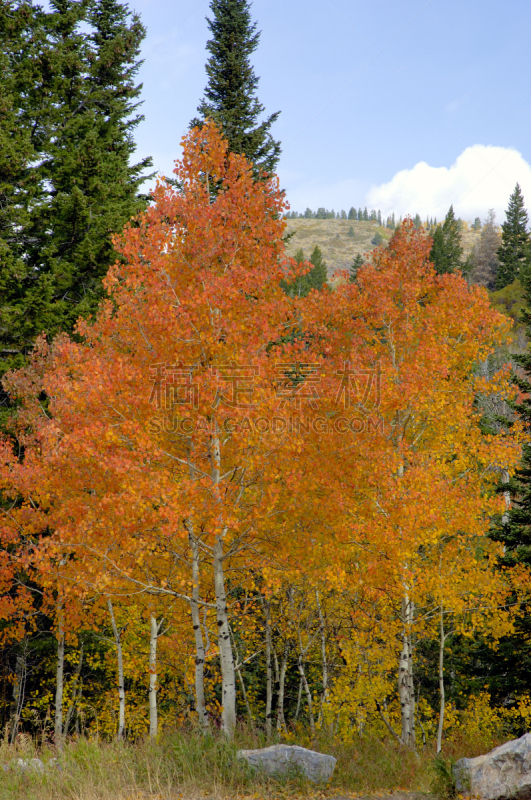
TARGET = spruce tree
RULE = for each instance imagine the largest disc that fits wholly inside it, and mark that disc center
(352, 213)
(230, 96)
(74, 91)
(316, 278)
(514, 253)
(484, 258)
(354, 267)
(513, 529)
(446, 252)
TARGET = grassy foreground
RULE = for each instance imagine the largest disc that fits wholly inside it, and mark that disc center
(186, 765)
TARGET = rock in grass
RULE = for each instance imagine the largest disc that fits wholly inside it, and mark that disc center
(25, 765)
(281, 759)
(30, 765)
(503, 773)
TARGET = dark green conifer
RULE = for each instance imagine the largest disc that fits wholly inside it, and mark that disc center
(354, 267)
(514, 254)
(352, 213)
(230, 96)
(446, 252)
(72, 85)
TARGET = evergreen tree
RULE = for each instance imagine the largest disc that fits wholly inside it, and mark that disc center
(373, 216)
(308, 214)
(377, 239)
(514, 253)
(351, 231)
(446, 252)
(484, 258)
(379, 217)
(360, 215)
(354, 267)
(316, 278)
(343, 214)
(477, 224)
(513, 655)
(365, 214)
(352, 213)
(417, 222)
(230, 96)
(73, 92)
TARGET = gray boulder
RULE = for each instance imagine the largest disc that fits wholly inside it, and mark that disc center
(25, 765)
(503, 773)
(280, 759)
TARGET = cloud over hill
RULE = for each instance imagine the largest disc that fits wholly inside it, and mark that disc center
(482, 177)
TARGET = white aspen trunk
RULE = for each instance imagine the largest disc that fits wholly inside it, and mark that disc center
(59, 683)
(121, 683)
(322, 634)
(308, 693)
(269, 667)
(75, 694)
(153, 722)
(441, 681)
(228, 673)
(406, 690)
(200, 703)
(226, 656)
(299, 698)
(281, 722)
(507, 498)
(245, 698)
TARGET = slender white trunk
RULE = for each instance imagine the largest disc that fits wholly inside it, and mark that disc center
(507, 497)
(153, 722)
(281, 722)
(406, 690)
(75, 693)
(441, 681)
(308, 693)
(200, 703)
(226, 656)
(322, 634)
(121, 683)
(269, 667)
(59, 681)
(299, 698)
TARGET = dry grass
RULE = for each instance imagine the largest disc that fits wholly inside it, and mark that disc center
(339, 249)
(187, 765)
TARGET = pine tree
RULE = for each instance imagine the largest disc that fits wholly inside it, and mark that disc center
(360, 215)
(477, 224)
(78, 100)
(513, 530)
(352, 213)
(354, 267)
(316, 278)
(365, 214)
(446, 252)
(351, 231)
(230, 96)
(485, 263)
(514, 253)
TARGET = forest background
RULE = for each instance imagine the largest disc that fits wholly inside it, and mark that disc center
(246, 497)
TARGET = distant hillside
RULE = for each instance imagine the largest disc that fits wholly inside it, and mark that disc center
(339, 249)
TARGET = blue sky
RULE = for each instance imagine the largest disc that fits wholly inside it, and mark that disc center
(368, 93)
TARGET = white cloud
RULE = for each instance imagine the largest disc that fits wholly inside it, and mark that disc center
(482, 177)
